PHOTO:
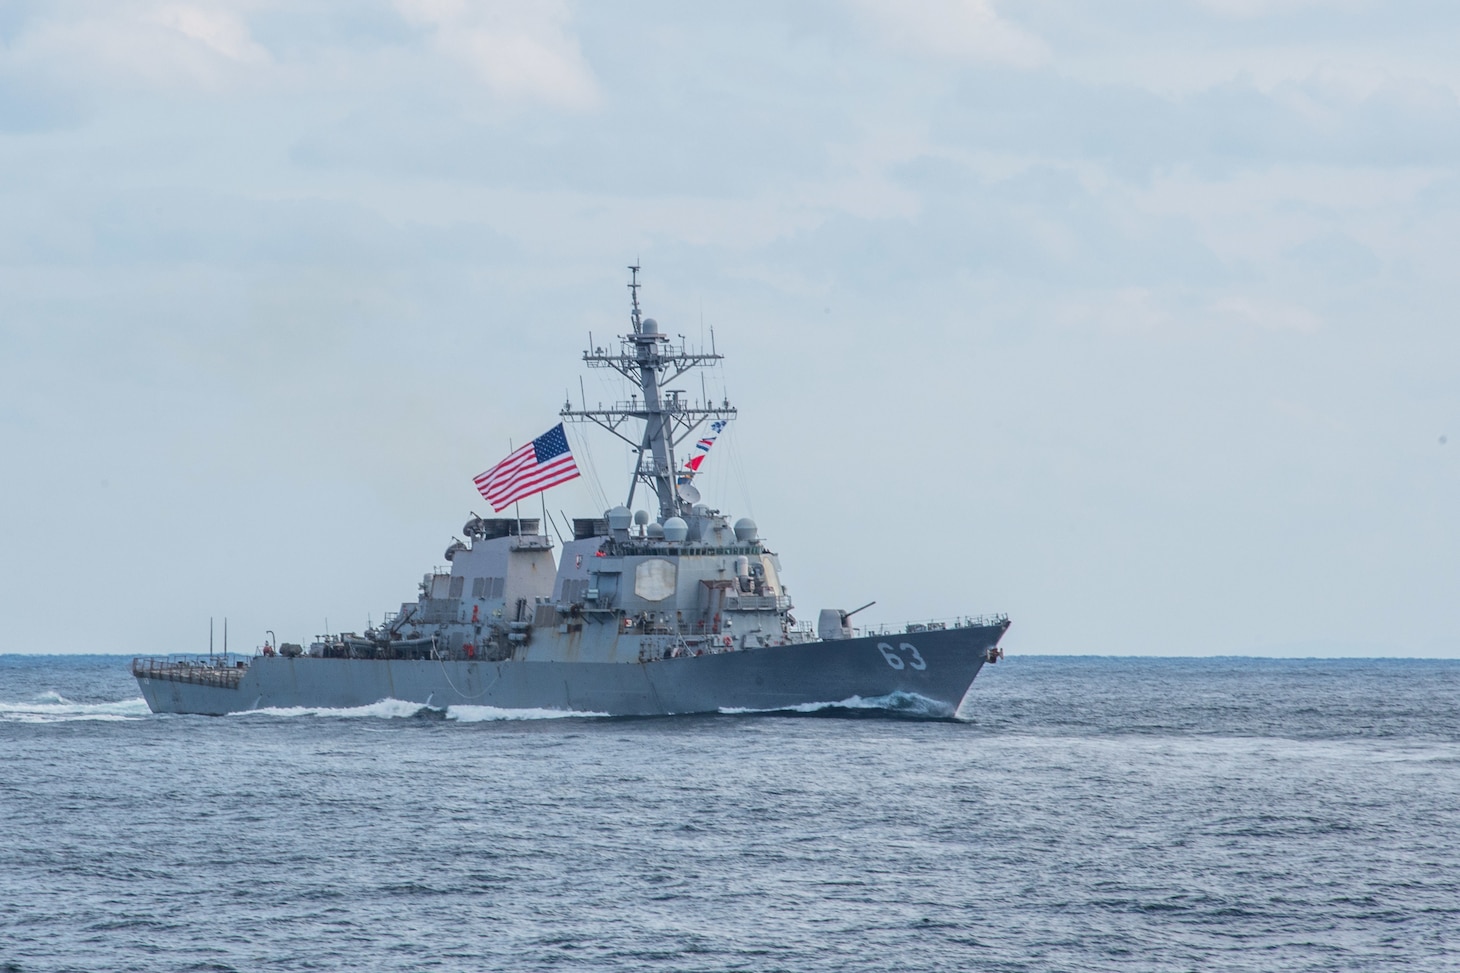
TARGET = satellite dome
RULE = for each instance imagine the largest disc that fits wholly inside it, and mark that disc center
(656, 532)
(641, 517)
(618, 518)
(675, 529)
(745, 529)
(650, 326)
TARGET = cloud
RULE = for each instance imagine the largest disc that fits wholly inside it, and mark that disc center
(28, 106)
(958, 29)
(1339, 255)
(225, 219)
(520, 51)
(1219, 130)
(1274, 315)
(1248, 9)
(151, 45)
(517, 52)
(217, 29)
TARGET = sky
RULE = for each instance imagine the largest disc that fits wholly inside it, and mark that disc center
(1134, 320)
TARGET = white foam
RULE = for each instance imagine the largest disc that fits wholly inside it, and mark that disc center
(909, 704)
(400, 708)
(52, 707)
(384, 709)
(479, 714)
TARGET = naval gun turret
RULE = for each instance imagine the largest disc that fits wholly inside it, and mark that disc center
(833, 623)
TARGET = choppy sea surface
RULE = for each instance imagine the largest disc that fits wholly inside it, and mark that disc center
(1083, 814)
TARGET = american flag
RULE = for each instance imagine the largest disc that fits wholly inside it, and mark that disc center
(544, 462)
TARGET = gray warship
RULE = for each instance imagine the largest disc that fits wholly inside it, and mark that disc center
(674, 611)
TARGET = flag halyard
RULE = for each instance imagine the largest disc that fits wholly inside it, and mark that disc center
(692, 465)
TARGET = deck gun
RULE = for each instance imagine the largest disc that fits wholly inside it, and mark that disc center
(833, 623)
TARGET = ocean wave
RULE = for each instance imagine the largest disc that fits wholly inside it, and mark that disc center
(898, 703)
(52, 707)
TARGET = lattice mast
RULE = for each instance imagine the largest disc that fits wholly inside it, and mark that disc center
(651, 362)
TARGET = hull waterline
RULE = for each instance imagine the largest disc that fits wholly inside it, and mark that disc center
(936, 666)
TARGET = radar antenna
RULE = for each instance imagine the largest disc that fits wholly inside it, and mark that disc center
(651, 362)
(634, 297)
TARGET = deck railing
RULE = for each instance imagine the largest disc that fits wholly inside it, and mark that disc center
(199, 673)
(758, 603)
(938, 625)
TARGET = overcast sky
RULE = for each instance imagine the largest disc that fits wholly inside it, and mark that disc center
(1135, 319)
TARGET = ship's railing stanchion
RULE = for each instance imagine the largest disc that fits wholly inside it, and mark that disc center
(218, 673)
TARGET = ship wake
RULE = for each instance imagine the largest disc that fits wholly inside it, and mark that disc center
(52, 707)
(397, 709)
(480, 714)
(900, 705)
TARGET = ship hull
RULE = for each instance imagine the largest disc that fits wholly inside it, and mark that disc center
(935, 666)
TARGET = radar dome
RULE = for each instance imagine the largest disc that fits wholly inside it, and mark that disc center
(618, 518)
(641, 517)
(650, 326)
(745, 529)
(675, 529)
(656, 532)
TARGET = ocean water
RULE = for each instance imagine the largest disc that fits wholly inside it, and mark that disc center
(1084, 814)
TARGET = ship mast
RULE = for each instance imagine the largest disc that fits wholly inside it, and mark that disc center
(651, 362)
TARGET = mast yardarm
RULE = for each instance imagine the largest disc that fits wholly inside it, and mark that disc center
(651, 361)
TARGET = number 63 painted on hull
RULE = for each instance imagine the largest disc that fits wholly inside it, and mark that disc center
(896, 661)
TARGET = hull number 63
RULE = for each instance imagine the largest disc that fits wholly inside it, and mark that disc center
(895, 659)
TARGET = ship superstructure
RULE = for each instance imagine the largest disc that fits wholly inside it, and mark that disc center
(674, 609)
